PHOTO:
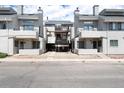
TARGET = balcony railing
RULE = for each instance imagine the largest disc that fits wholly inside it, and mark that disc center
(62, 29)
(20, 33)
(62, 42)
(97, 34)
(25, 34)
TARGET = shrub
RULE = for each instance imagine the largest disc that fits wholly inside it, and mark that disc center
(3, 55)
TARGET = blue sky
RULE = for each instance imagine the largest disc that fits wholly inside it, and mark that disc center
(64, 12)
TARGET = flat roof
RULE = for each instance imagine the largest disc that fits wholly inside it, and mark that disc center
(7, 11)
(53, 22)
(116, 12)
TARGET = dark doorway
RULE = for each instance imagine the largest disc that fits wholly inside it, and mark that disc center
(94, 44)
(50, 47)
(21, 45)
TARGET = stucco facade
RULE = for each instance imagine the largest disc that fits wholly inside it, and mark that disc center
(21, 33)
(58, 35)
(99, 33)
(25, 34)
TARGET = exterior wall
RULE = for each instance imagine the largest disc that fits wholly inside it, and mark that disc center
(29, 51)
(72, 33)
(87, 51)
(106, 37)
(13, 29)
(52, 28)
(6, 43)
(101, 29)
(115, 36)
(42, 45)
(50, 32)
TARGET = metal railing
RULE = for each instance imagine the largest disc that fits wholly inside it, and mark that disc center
(62, 42)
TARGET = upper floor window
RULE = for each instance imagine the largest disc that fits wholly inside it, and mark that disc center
(115, 26)
(3, 25)
(28, 22)
(88, 25)
(122, 26)
(28, 25)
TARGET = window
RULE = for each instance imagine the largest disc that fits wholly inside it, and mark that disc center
(16, 43)
(28, 27)
(88, 25)
(36, 44)
(21, 45)
(81, 44)
(2, 25)
(115, 26)
(119, 26)
(113, 43)
(122, 26)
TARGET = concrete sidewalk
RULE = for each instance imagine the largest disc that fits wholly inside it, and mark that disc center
(63, 56)
(59, 60)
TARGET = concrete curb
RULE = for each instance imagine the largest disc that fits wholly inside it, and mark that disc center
(60, 60)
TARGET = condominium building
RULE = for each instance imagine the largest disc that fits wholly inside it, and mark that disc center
(25, 34)
(21, 33)
(99, 33)
(58, 35)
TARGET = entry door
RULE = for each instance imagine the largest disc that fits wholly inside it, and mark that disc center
(21, 45)
(94, 44)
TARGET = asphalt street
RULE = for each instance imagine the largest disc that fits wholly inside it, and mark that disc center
(61, 75)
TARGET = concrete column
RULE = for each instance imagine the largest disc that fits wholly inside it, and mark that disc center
(104, 45)
(42, 45)
(76, 43)
(40, 15)
(45, 33)
(11, 46)
(15, 23)
(72, 33)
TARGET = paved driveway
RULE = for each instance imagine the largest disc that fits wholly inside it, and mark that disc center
(61, 74)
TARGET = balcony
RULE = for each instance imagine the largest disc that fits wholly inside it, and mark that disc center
(62, 29)
(51, 39)
(20, 34)
(62, 42)
(91, 34)
(50, 29)
(25, 34)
